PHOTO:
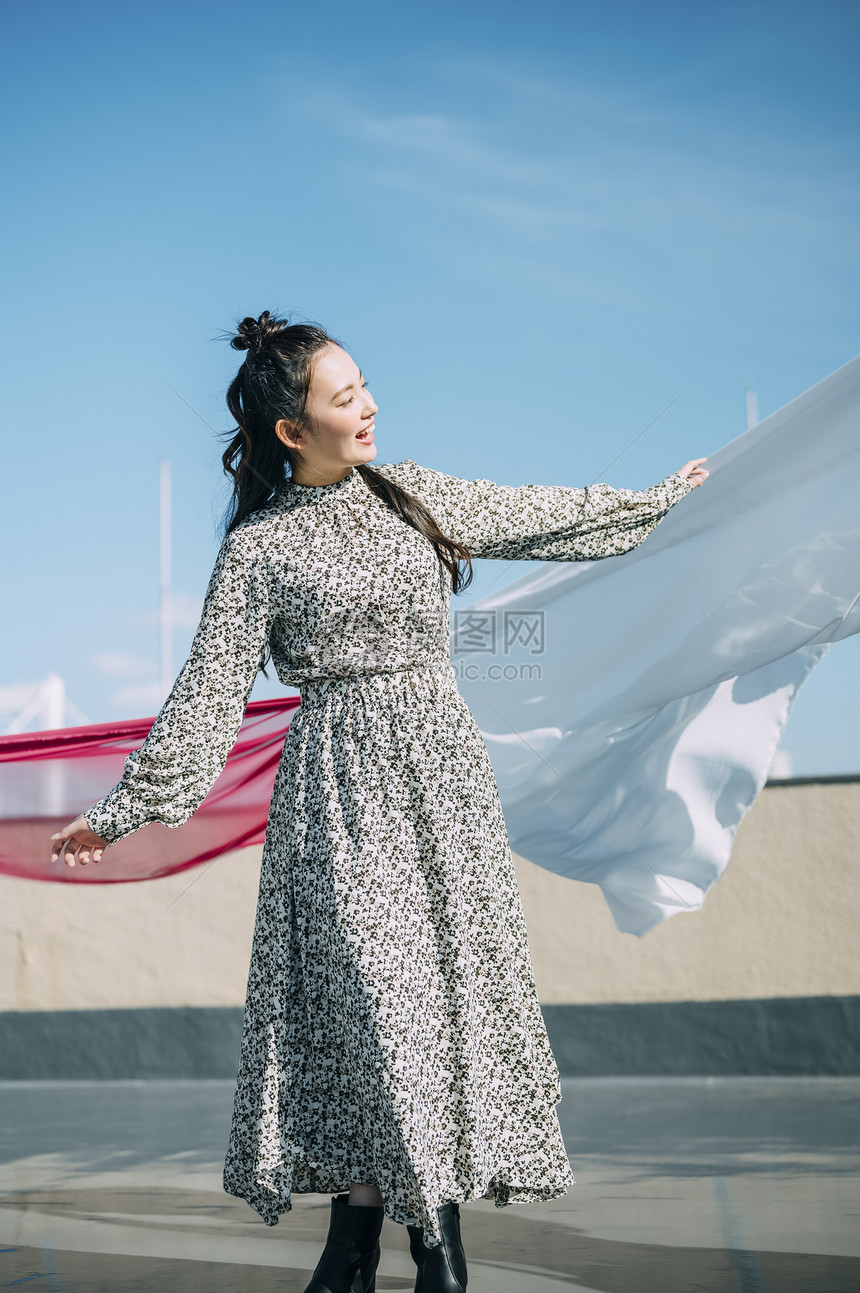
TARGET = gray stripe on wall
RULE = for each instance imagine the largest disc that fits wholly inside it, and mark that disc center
(773, 1037)
(181, 1042)
(769, 1037)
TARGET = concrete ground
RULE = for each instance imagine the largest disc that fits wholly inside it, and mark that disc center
(747, 1184)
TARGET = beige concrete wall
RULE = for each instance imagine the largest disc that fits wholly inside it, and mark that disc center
(184, 940)
(781, 922)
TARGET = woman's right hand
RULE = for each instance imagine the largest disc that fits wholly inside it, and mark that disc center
(86, 846)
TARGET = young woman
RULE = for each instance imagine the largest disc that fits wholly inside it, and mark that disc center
(394, 1053)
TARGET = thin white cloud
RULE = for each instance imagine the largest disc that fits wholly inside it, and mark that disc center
(609, 182)
(599, 184)
(145, 697)
(117, 664)
(186, 613)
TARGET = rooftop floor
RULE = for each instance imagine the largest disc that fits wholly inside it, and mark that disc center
(747, 1184)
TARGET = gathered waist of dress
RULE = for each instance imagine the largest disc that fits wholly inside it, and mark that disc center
(420, 678)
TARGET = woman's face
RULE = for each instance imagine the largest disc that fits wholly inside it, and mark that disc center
(340, 411)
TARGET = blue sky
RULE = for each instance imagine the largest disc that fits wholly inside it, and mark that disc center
(533, 226)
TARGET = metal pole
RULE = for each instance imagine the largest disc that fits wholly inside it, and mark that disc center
(165, 583)
(752, 407)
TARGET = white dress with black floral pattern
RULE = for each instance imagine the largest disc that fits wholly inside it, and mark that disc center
(392, 1030)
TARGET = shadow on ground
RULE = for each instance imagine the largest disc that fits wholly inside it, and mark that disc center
(511, 1243)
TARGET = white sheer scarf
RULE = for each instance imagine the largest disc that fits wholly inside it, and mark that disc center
(666, 674)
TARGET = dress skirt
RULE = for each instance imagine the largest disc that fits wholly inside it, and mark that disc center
(392, 1031)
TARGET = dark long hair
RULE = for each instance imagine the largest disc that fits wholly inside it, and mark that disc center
(273, 383)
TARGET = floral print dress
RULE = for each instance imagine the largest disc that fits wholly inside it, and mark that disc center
(392, 1030)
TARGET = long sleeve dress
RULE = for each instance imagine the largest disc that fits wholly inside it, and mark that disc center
(392, 1030)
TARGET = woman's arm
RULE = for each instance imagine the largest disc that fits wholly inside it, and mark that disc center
(169, 776)
(540, 522)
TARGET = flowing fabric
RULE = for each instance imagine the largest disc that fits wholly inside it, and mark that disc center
(661, 680)
(643, 729)
(47, 778)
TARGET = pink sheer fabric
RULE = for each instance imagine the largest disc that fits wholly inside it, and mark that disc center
(48, 778)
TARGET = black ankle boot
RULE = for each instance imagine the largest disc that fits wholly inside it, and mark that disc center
(441, 1269)
(351, 1254)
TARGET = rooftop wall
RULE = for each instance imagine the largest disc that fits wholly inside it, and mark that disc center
(149, 978)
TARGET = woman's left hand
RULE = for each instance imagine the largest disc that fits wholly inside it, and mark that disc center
(695, 474)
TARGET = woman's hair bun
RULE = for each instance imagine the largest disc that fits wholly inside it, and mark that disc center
(252, 334)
